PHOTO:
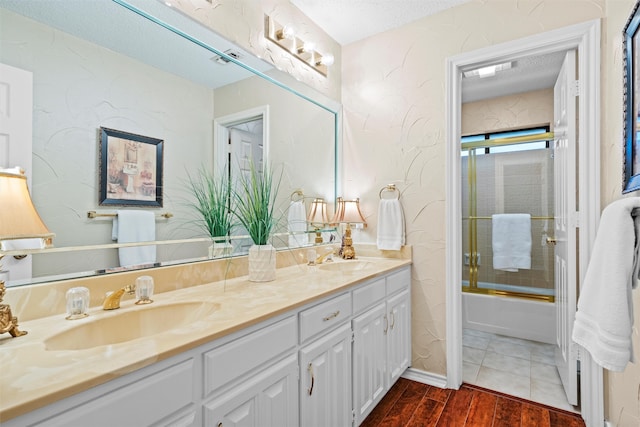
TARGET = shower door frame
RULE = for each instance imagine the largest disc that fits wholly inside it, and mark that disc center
(585, 37)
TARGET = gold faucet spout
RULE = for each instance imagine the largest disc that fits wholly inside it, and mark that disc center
(112, 301)
(322, 258)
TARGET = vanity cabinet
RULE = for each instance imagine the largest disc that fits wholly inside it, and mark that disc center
(327, 363)
(382, 339)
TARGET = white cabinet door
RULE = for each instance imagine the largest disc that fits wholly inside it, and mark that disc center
(267, 400)
(399, 335)
(369, 360)
(325, 380)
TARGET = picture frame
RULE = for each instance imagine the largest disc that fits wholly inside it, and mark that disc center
(130, 169)
(631, 102)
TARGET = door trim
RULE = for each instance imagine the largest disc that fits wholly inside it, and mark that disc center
(585, 37)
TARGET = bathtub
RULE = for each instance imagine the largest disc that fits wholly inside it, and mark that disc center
(514, 317)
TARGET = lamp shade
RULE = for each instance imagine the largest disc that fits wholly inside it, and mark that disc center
(318, 213)
(348, 212)
(18, 217)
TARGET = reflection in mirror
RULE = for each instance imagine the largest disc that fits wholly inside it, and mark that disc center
(159, 74)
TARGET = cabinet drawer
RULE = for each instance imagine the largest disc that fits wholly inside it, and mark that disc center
(324, 316)
(367, 295)
(232, 360)
(398, 281)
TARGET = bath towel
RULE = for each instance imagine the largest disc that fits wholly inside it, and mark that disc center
(511, 241)
(297, 223)
(131, 226)
(391, 234)
(605, 312)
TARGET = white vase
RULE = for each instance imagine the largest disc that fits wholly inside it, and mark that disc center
(262, 263)
(220, 250)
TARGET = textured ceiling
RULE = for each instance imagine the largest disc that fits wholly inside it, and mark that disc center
(347, 21)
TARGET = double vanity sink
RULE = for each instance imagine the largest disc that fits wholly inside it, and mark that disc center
(60, 358)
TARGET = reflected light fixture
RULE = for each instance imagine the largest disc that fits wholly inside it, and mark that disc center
(488, 71)
(348, 212)
(18, 220)
(304, 50)
(317, 217)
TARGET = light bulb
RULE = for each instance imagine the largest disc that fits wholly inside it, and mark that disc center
(288, 31)
(309, 46)
(326, 60)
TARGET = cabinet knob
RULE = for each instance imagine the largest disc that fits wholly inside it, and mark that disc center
(310, 369)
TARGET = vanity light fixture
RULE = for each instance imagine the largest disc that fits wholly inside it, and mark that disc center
(348, 212)
(304, 50)
(318, 217)
(18, 220)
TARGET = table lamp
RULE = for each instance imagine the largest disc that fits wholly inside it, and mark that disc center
(348, 212)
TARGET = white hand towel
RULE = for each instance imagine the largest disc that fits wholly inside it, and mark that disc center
(511, 241)
(391, 234)
(19, 244)
(135, 226)
(297, 223)
(605, 312)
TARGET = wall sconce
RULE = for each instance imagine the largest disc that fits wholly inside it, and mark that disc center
(348, 212)
(304, 50)
(317, 217)
(18, 220)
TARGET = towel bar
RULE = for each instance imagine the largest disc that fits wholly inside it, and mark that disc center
(94, 214)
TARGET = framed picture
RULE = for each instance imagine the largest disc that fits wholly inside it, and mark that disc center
(130, 169)
(631, 101)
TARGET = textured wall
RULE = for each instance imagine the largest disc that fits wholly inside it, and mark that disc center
(622, 392)
(242, 21)
(394, 118)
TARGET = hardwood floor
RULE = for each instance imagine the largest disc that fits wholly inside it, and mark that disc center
(413, 404)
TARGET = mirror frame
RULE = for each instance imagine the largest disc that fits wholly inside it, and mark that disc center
(631, 104)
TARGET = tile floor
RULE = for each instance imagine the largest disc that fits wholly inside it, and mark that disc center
(513, 366)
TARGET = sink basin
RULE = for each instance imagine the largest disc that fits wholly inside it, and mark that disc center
(129, 324)
(345, 267)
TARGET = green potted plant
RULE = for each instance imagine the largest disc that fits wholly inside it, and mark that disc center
(211, 201)
(254, 207)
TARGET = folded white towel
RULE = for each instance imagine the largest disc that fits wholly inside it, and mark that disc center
(605, 312)
(297, 223)
(131, 226)
(391, 234)
(511, 241)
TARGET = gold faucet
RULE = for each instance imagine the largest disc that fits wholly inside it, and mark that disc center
(112, 301)
(322, 258)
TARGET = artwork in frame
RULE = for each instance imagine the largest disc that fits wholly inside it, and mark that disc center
(130, 169)
(631, 103)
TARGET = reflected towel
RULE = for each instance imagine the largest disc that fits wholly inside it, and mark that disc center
(19, 244)
(131, 226)
(604, 320)
(297, 223)
(391, 235)
(511, 241)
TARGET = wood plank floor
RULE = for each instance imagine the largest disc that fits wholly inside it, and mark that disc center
(413, 404)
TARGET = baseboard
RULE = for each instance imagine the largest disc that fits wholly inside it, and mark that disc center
(425, 377)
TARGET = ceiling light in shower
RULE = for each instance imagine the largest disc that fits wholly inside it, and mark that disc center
(488, 71)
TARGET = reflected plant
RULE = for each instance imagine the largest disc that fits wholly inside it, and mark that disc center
(211, 200)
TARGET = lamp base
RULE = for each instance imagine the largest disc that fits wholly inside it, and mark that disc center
(8, 322)
(348, 251)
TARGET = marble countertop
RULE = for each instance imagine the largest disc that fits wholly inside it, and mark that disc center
(32, 376)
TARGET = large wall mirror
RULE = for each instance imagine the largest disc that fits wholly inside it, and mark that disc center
(144, 68)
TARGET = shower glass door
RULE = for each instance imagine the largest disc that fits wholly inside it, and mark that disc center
(507, 172)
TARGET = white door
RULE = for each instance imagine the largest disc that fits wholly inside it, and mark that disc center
(16, 112)
(245, 147)
(565, 190)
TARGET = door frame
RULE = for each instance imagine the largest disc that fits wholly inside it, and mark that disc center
(585, 37)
